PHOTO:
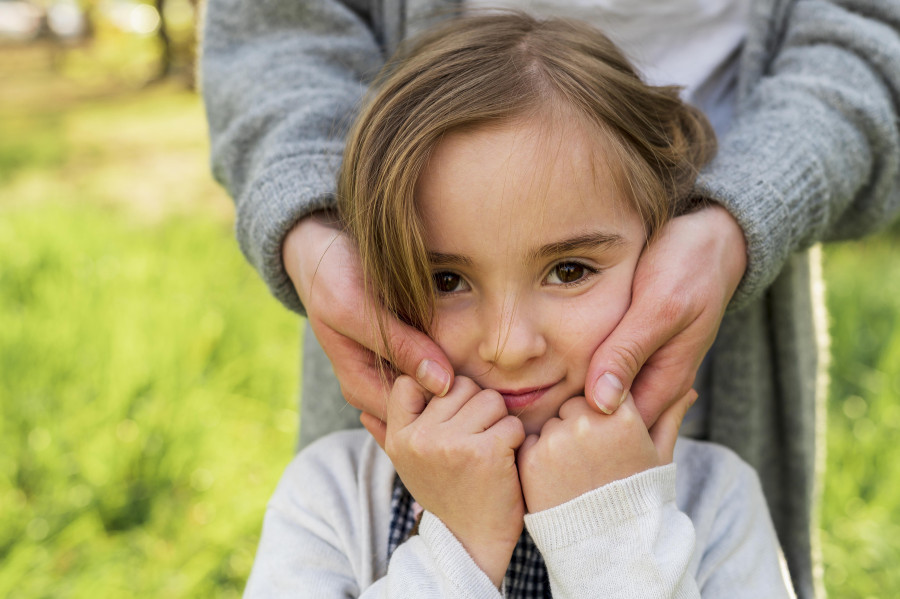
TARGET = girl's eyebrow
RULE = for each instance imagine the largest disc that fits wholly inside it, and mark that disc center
(438, 259)
(588, 241)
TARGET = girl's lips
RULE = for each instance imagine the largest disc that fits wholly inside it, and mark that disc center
(516, 400)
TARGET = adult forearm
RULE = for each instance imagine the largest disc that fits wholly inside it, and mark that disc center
(281, 82)
(815, 151)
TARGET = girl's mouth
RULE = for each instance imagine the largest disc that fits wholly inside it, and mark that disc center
(522, 398)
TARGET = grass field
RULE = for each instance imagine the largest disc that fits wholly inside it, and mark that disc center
(148, 381)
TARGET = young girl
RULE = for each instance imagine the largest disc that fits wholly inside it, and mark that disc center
(500, 187)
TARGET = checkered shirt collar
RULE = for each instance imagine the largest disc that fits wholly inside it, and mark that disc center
(526, 576)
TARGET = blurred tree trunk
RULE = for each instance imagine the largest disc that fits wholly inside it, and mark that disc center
(177, 48)
(162, 33)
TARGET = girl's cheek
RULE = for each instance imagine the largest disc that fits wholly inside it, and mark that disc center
(596, 316)
(452, 336)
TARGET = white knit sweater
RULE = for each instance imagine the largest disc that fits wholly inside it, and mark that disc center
(703, 533)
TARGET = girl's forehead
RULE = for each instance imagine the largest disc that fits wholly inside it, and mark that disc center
(522, 178)
(530, 162)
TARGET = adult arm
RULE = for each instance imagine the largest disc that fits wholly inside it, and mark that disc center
(282, 82)
(814, 154)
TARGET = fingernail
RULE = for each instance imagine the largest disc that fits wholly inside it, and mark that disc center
(609, 393)
(433, 377)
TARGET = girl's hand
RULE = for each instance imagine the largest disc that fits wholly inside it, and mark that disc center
(457, 457)
(583, 450)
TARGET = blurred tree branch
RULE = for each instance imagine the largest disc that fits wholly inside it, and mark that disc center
(176, 55)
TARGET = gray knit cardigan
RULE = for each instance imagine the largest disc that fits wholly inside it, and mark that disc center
(813, 154)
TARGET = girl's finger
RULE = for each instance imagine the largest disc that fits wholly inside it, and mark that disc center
(525, 448)
(573, 407)
(665, 432)
(405, 404)
(508, 432)
(442, 409)
(481, 412)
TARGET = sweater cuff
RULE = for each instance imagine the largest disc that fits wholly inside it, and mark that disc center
(454, 561)
(283, 194)
(767, 192)
(602, 509)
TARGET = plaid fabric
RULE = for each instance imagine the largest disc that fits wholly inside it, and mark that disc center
(403, 518)
(526, 576)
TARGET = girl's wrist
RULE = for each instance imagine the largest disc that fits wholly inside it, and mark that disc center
(491, 556)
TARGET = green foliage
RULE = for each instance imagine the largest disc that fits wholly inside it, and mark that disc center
(30, 143)
(149, 404)
(860, 525)
(147, 379)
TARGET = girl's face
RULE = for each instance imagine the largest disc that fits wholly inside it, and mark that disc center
(533, 254)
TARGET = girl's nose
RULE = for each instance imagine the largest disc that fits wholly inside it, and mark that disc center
(512, 338)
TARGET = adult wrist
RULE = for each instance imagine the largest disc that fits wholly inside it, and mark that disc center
(304, 245)
(734, 251)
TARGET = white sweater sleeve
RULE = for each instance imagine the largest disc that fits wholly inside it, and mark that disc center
(634, 538)
(325, 535)
(625, 539)
(433, 564)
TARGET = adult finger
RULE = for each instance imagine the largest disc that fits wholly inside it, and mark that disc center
(414, 353)
(410, 351)
(617, 361)
(376, 427)
(365, 383)
(670, 372)
(664, 432)
(682, 284)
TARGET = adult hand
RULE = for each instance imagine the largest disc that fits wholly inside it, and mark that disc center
(683, 282)
(457, 458)
(324, 266)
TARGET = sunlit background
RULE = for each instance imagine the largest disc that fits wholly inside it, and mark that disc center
(147, 380)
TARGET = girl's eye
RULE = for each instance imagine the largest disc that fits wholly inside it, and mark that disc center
(567, 273)
(448, 282)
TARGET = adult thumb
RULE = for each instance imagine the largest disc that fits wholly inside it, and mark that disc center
(415, 354)
(616, 363)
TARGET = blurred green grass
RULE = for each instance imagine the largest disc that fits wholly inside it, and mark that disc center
(861, 502)
(148, 382)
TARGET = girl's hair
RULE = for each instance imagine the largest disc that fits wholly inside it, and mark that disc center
(491, 69)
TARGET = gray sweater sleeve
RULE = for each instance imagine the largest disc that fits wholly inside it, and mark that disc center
(281, 82)
(814, 153)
